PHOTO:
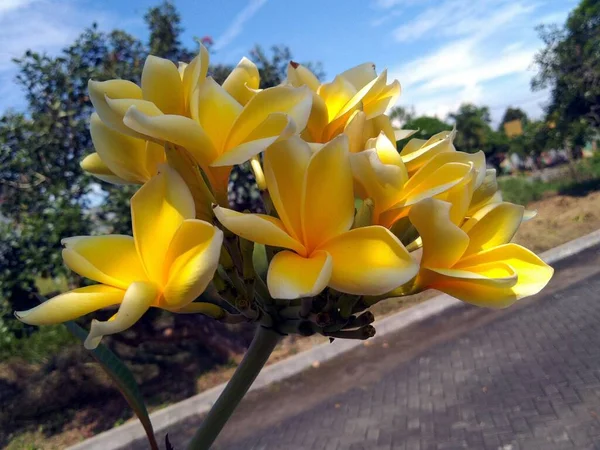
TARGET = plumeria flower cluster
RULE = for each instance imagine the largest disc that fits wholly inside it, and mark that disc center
(350, 219)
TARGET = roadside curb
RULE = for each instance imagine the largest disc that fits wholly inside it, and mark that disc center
(199, 404)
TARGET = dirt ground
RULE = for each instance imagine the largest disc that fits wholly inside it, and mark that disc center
(559, 219)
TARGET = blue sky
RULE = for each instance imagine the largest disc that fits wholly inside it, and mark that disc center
(444, 52)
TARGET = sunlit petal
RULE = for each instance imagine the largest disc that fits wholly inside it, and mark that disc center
(493, 225)
(137, 300)
(192, 259)
(242, 81)
(110, 259)
(443, 242)
(114, 89)
(298, 75)
(293, 276)
(72, 304)
(194, 74)
(258, 228)
(361, 75)
(369, 261)
(418, 152)
(157, 210)
(285, 165)
(162, 85)
(94, 165)
(328, 201)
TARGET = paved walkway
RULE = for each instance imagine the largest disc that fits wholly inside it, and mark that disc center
(523, 378)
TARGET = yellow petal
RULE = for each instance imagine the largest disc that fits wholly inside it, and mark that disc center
(492, 226)
(194, 74)
(418, 152)
(157, 210)
(277, 126)
(178, 130)
(369, 261)
(433, 179)
(71, 305)
(127, 157)
(387, 152)
(192, 259)
(361, 75)
(114, 89)
(317, 120)
(459, 196)
(328, 201)
(298, 75)
(258, 228)
(285, 165)
(162, 85)
(121, 106)
(337, 96)
(443, 242)
(532, 273)
(484, 192)
(486, 285)
(380, 182)
(375, 126)
(137, 300)
(293, 276)
(242, 81)
(216, 111)
(355, 129)
(379, 103)
(110, 260)
(295, 102)
(95, 166)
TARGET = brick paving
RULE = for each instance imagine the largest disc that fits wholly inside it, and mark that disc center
(528, 379)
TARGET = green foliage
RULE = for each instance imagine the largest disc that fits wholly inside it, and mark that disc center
(513, 114)
(473, 125)
(569, 65)
(427, 126)
(522, 190)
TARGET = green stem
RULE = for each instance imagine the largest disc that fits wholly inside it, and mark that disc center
(256, 357)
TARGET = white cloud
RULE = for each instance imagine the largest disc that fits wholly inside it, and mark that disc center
(44, 26)
(237, 26)
(485, 57)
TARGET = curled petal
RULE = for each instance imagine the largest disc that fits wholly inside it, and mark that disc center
(443, 242)
(72, 304)
(337, 96)
(129, 158)
(242, 81)
(94, 165)
(294, 102)
(378, 103)
(258, 228)
(355, 129)
(110, 260)
(369, 261)
(278, 126)
(361, 75)
(532, 273)
(162, 85)
(418, 152)
(298, 75)
(194, 74)
(114, 89)
(293, 276)
(178, 130)
(493, 225)
(157, 211)
(216, 111)
(192, 259)
(137, 300)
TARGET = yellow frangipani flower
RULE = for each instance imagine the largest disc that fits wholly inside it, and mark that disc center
(474, 262)
(353, 103)
(381, 175)
(315, 205)
(167, 263)
(221, 132)
(119, 158)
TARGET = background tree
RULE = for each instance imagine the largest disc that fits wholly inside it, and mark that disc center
(427, 126)
(473, 125)
(513, 114)
(569, 66)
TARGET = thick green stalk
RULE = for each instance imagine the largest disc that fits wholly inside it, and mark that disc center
(256, 357)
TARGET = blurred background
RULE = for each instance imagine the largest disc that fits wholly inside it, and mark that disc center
(520, 80)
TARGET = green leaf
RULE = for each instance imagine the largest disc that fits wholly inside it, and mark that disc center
(123, 378)
(260, 261)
